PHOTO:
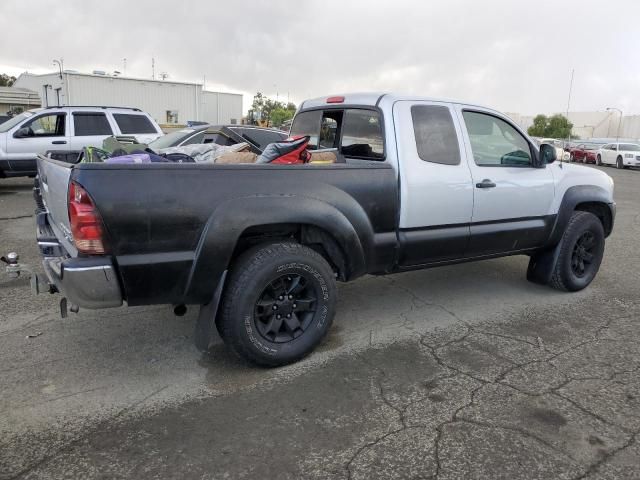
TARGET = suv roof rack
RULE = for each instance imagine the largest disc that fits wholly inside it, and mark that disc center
(92, 106)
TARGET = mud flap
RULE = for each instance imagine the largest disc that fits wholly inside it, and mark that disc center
(542, 265)
(206, 323)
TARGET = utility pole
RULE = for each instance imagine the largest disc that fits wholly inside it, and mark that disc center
(619, 121)
(124, 67)
(153, 68)
(569, 101)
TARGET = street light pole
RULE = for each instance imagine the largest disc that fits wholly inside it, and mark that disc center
(60, 64)
(619, 121)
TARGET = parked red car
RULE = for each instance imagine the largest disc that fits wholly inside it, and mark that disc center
(584, 152)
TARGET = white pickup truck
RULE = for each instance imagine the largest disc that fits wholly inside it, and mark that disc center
(69, 129)
(259, 247)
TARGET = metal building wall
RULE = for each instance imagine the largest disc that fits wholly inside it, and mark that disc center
(37, 83)
(221, 108)
(153, 97)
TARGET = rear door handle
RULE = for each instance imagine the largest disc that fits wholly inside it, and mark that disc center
(486, 183)
(59, 142)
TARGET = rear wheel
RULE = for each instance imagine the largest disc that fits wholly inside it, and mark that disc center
(581, 251)
(278, 305)
(599, 160)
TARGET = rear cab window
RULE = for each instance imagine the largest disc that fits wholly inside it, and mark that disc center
(129, 123)
(356, 132)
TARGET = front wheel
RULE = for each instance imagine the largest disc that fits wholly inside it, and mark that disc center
(279, 303)
(619, 163)
(572, 157)
(581, 251)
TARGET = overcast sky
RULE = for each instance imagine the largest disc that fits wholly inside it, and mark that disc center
(513, 55)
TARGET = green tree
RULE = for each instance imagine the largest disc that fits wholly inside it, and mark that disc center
(269, 111)
(539, 125)
(559, 127)
(6, 80)
(556, 126)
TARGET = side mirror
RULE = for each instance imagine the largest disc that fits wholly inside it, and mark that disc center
(547, 153)
(23, 133)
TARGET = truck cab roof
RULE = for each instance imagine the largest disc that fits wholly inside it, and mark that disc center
(374, 99)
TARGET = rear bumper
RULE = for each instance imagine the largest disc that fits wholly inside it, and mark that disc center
(87, 282)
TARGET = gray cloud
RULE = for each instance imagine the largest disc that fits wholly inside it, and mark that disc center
(511, 55)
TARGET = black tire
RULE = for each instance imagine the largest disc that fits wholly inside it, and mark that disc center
(572, 158)
(599, 161)
(582, 244)
(619, 163)
(284, 277)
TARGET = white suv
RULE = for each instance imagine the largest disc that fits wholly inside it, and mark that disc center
(66, 129)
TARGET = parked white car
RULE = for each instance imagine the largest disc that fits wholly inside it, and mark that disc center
(622, 155)
(35, 131)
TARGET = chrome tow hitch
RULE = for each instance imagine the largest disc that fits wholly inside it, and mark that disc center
(15, 269)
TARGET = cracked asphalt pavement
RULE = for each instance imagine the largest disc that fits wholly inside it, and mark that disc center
(466, 371)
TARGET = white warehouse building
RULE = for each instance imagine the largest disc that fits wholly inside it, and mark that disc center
(168, 102)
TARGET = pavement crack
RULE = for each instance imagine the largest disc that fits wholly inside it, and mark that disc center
(593, 468)
(17, 217)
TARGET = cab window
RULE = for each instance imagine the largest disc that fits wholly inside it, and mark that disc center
(435, 134)
(495, 143)
(355, 132)
(362, 135)
(308, 124)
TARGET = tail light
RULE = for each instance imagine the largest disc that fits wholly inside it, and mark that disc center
(86, 224)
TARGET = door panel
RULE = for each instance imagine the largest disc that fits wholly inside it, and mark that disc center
(50, 132)
(512, 199)
(435, 183)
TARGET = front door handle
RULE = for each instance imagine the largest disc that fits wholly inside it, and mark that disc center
(59, 142)
(486, 183)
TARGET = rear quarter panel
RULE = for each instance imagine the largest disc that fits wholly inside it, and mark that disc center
(155, 215)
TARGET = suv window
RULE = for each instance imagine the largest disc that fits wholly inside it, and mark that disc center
(435, 134)
(90, 123)
(495, 143)
(308, 124)
(131, 123)
(51, 125)
(362, 135)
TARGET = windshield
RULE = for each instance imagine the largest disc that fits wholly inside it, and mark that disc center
(171, 139)
(630, 147)
(592, 147)
(12, 122)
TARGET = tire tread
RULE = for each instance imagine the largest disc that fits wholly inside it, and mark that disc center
(243, 269)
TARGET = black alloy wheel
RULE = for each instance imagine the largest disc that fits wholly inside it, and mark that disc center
(583, 254)
(285, 308)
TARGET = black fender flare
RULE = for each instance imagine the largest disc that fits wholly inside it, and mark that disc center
(354, 235)
(543, 262)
